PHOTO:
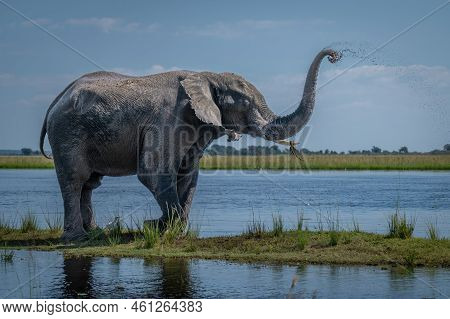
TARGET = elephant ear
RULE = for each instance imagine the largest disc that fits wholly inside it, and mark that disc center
(198, 88)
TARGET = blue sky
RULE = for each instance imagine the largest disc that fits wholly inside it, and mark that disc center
(401, 96)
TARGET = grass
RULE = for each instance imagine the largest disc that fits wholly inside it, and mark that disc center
(302, 239)
(432, 230)
(410, 258)
(150, 238)
(278, 162)
(5, 225)
(255, 228)
(329, 162)
(334, 238)
(277, 225)
(175, 229)
(54, 224)
(293, 247)
(300, 221)
(25, 162)
(355, 224)
(400, 227)
(114, 232)
(330, 244)
(277, 245)
(28, 223)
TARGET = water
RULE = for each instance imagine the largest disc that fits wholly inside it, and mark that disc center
(177, 278)
(226, 201)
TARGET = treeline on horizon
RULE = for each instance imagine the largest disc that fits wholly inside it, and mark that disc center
(221, 150)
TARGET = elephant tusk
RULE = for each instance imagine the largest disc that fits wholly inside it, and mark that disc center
(232, 135)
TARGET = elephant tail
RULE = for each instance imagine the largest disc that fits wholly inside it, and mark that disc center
(44, 125)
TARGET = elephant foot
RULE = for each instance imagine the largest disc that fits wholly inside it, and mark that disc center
(164, 224)
(91, 226)
(74, 235)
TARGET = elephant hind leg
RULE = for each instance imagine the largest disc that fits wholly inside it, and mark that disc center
(73, 221)
(87, 212)
(71, 177)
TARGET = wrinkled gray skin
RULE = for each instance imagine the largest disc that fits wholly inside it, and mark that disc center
(157, 127)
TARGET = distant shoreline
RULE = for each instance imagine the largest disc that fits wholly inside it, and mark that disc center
(420, 162)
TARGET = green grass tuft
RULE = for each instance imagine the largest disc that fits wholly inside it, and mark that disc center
(300, 221)
(432, 230)
(400, 227)
(174, 230)
(6, 226)
(29, 223)
(114, 232)
(54, 224)
(255, 228)
(355, 225)
(302, 239)
(333, 238)
(151, 236)
(277, 225)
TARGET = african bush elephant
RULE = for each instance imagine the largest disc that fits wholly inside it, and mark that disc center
(157, 127)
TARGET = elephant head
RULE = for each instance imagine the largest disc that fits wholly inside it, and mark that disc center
(229, 102)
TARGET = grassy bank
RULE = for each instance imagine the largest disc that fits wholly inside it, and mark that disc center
(278, 162)
(326, 247)
(25, 162)
(330, 162)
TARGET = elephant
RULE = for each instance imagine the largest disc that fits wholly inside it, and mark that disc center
(156, 127)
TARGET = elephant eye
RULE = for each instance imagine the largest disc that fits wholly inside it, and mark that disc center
(246, 102)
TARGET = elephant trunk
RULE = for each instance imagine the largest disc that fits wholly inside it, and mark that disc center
(283, 127)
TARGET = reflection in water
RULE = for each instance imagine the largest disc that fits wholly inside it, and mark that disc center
(180, 278)
(78, 278)
(175, 279)
(172, 279)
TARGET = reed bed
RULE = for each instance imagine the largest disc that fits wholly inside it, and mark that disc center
(25, 162)
(281, 162)
(329, 162)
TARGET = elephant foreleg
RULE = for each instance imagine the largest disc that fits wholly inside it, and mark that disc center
(165, 191)
(186, 185)
(188, 173)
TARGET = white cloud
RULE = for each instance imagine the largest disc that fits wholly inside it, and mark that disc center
(103, 24)
(108, 24)
(155, 68)
(39, 21)
(242, 27)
